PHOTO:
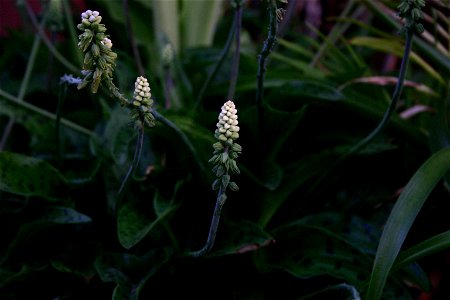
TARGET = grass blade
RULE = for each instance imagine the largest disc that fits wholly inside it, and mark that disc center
(402, 217)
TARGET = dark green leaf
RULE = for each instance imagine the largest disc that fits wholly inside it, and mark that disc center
(402, 217)
(28, 176)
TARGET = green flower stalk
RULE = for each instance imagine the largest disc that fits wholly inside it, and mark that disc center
(99, 59)
(226, 150)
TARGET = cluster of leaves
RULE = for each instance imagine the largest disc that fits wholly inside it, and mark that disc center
(301, 226)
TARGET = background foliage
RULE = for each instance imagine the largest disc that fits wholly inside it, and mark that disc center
(308, 220)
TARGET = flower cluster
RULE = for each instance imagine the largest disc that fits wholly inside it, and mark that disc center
(411, 11)
(227, 129)
(226, 150)
(99, 59)
(142, 102)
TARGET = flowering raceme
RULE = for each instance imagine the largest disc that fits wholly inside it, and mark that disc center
(226, 150)
(99, 59)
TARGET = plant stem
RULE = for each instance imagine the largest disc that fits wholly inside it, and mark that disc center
(213, 228)
(386, 117)
(395, 96)
(72, 31)
(183, 137)
(237, 54)
(137, 56)
(61, 99)
(23, 85)
(335, 33)
(136, 157)
(48, 43)
(267, 48)
(218, 65)
(45, 113)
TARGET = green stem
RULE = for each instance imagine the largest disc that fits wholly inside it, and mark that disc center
(72, 32)
(267, 48)
(136, 157)
(218, 65)
(183, 137)
(395, 96)
(386, 117)
(235, 66)
(335, 33)
(213, 228)
(61, 99)
(23, 85)
(137, 56)
(45, 113)
(48, 43)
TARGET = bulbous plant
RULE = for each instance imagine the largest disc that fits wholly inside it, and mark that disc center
(226, 150)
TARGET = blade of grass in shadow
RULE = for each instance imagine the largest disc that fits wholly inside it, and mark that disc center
(389, 45)
(432, 245)
(381, 12)
(34, 109)
(25, 82)
(48, 43)
(73, 34)
(132, 39)
(237, 52)
(222, 56)
(402, 217)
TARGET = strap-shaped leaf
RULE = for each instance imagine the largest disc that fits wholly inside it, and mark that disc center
(402, 217)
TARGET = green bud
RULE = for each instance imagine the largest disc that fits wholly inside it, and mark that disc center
(95, 50)
(220, 171)
(236, 147)
(102, 63)
(419, 28)
(225, 181)
(218, 146)
(224, 157)
(86, 23)
(233, 186)
(215, 184)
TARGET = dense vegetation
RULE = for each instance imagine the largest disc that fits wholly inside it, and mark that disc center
(329, 168)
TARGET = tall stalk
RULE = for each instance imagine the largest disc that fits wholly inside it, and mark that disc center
(262, 61)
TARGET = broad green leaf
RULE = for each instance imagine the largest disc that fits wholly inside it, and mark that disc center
(130, 272)
(307, 251)
(295, 175)
(118, 135)
(402, 217)
(64, 215)
(240, 238)
(197, 139)
(307, 90)
(78, 259)
(394, 47)
(135, 219)
(28, 176)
